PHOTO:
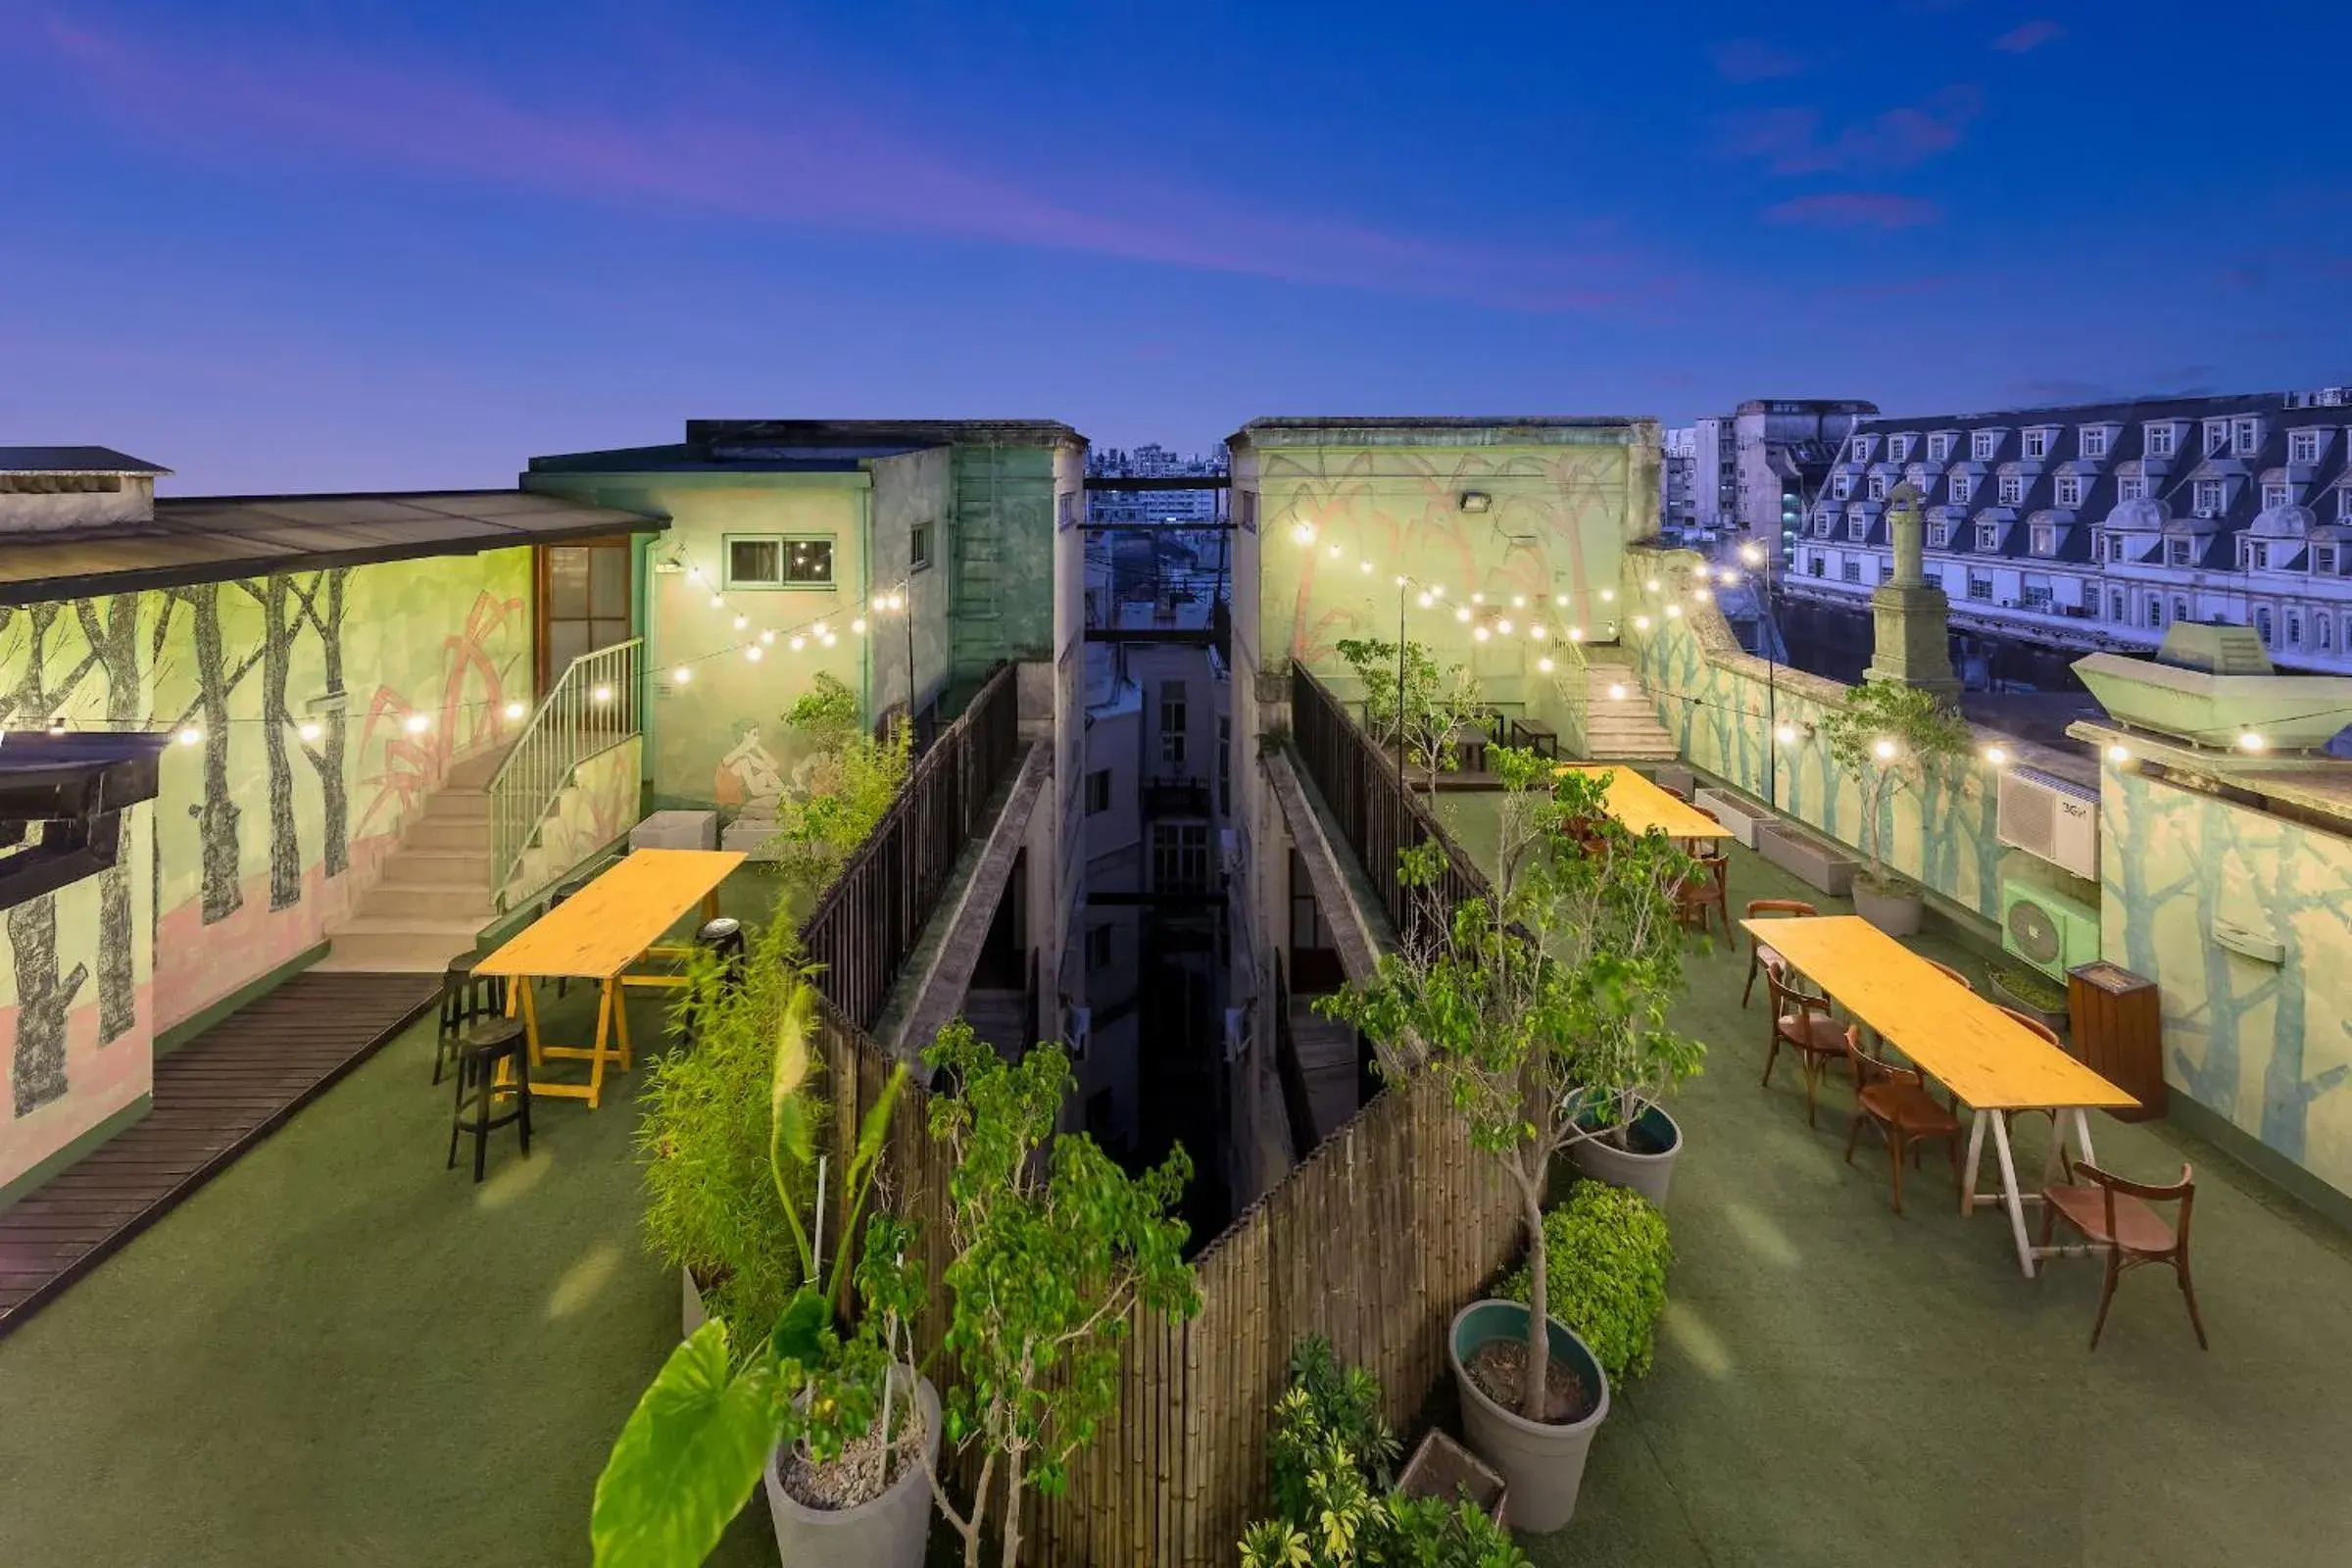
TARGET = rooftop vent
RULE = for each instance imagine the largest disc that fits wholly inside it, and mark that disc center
(2327, 397)
(2215, 647)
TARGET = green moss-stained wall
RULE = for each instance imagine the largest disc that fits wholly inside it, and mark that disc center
(1714, 699)
(260, 834)
(1556, 529)
(2269, 1047)
(1002, 556)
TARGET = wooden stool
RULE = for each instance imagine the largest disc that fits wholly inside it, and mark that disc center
(483, 1049)
(464, 998)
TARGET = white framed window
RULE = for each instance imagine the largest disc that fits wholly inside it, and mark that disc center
(1098, 792)
(2094, 440)
(1983, 444)
(1853, 569)
(2013, 489)
(1858, 529)
(2180, 608)
(1979, 586)
(2275, 496)
(2254, 555)
(2044, 540)
(2245, 436)
(2263, 626)
(1962, 488)
(2216, 436)
(2303, 446)
(1816, 564)
(1844, 487)
(1939, 535)
(2294, 628)
(1861, 449)
(2178, 551)
(2130, 487)
(2323, 630)
(2209, 497)
(1173, 718)
(2323, 560)
(1823, 525)
(2160, 440)
(1989, 536)
(1877, 487)
(778, 560)
(2118, 607)
(1899, 448)
(2036, 594)
(2070, 490)
(2038, 444)
(1940, 449)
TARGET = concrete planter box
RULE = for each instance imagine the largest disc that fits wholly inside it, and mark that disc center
(676, 830)
(1673, 778)
(692, 1313)
(1896, 910)
(1820, 863)
(1745, 817)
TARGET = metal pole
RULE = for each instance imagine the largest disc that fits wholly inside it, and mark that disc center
(1400, 592)
(1772, 693)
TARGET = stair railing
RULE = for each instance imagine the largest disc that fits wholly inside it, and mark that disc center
(1571, 687)
(592, 707)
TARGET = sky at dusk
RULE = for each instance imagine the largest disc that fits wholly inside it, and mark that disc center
(353, 244)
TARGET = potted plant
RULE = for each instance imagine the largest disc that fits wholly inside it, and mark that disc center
(2029, 993)
(1052, 1243)
(1432, 711)
(838, 1412)
(1885, 736)
(1511, 1001)
(710, 1198)
(1608, 1250)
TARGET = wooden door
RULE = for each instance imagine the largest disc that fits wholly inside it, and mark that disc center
(584, 602)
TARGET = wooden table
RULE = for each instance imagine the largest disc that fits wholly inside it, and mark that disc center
(1989, 1062)
(598, 934)
(1641, 805)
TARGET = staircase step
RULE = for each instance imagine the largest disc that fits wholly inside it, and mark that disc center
(380, 952)
(464, 805)
(473, 772)
(412, 925)
(449, 833)
(431, 901)
(443, 867)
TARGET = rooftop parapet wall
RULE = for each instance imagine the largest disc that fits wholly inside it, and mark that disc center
(1714, 698)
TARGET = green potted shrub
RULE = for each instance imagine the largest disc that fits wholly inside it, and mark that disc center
(1887, 737)
(1434, 706)
(2030, 993)
(1052, 1243)
(1521, 1004)
(808, 1401)
(1606, 1250)
(710, 1200)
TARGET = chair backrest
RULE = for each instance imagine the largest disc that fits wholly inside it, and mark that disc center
(1950, 974)
(1709, 814)
(2183, 1192)
(1790, 907)
(2024, 1022)
(1677, 794)
(1870, 1069)
(1788, 997)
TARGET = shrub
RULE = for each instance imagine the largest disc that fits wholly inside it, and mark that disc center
(1606, 1253)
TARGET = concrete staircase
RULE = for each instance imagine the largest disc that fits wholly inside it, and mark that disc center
(433, 897)
(1620, 726)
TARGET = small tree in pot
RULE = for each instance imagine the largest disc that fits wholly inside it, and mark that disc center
(1545, 1000)
(1887, 737)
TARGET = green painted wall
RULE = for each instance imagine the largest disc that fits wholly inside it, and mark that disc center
(1002, 556)
(1714, 699)
(260, 834)
(2267, 1046)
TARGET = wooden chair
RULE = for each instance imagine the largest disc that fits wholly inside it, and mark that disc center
(1707, 888)
(1896, 1101)
(2113, 1213)
(1955, 975)
(1677, 794)
(1758, 953)
(1801, 1021)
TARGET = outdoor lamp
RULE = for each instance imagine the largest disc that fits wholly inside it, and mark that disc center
(1616, 691)
(1883, 749)
(2251, 742)
(602, 694)
(2119, 752)
(1995, 757)
(1753, 553)
(310, 729)
(1304, 531)
(1476, 501)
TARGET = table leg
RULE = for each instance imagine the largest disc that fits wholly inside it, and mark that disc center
(620, 1021)
(2082, 1134)
(2009, 1193)
(1976, 1164)
(528, 992)
(608, 995)
(709, 906)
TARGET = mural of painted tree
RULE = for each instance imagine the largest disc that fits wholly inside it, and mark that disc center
(44, 996)
(327, 759)
(114, 639)
(217, 819)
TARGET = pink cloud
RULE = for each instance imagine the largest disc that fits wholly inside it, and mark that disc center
(1746, 60)
(1792, 140)
(1855, 209)
(797, 165)
(2029, 37)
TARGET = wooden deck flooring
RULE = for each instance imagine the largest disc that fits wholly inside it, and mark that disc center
(214, 1098)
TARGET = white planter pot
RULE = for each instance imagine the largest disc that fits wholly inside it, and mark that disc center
(1649, 1174)
(890, 1532)
(1896, 914)
(1542, 1463)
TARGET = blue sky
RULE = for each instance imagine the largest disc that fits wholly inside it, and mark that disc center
(350, 244)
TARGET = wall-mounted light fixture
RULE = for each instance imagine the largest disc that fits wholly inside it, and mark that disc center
(1477, 501)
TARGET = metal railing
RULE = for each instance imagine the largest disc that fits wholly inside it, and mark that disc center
(591, 708)
(1572, 680)
(870, 920)
(1377, 816)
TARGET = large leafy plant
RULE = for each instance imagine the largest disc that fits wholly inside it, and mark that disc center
(692, 1451)
(852, 783)
(1430, 704)
(1606, 1251)
(709, 1182)
(1052, 1245)
(1887, 737)
(1540, 1007)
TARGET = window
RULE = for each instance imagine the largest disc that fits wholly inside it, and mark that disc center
(2322, 629)
(1899, 448)
(2155, 610)
(60, 484)
(1172, 721)
(2303, 446)
(2262, 623)
(1858, 529)
(2161, 438)
(1244, 510)
(1861, 449)
(1823, 523)
(1097, 947)
(2343, 502)
(1098, 792)
(1963, 487)
(2245, 436)
(2094, 441)
(1877, 487)
(2216, 436)
(1845, 485)
(2323, 560)
(1983, 444)
(2070, 490)
(2178, 551)
(2209, 497)
(779, 562)
(919, 550)
(1066, 508)
(2013, 489)
(2294, 628)
(2038, 444)
(2180, 608)
(1851, 569)
(2037, 594)
(1979, 586)
(1815, 565)
(1225, 766)
(1940, 449)
(2117, 606)
(1989, 536)
(2130, 487)
(2045, 539)
(2275, 496)
(1939, 535)
(1179, 857)
(2258, 556)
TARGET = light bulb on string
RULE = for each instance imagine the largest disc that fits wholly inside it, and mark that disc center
(514, 710)
(1518, 600)
(416, 723)
(190, 735)
(829, 639)
(768, 637)
(1674, 612)
(741, 621)
(310, 730)
(859, 625)
(694, 574)
(1461, 612)
(1480, 633)
(1608, 596)
(1335, 552)
(1365, 566)
(753, 652)
(1701, 595)
(1785, 734)
(1641, 623)
(1438, 588)
(796, 644)
(1536, 629)
(718, 602)
(1543, 664)
(681, 676)
(1503, 625)
(1426, 601)
(601, 695)
(1477, 599)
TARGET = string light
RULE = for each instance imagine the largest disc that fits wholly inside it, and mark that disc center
(1883, 749)
(1503, 625)
(1674, 612)
(416, 723)
(1427, 600)
(1477, 599)
(1479, 633)
(1537, 630)
(1701, 595)
(753, 652)
(682, 675)
(796, 644)
(1576, 634)
(309, 730)
(601, 695)
(2119, 752)
(1785, 734)
(1641, 623)
(2251, 742)
(1461, 612)
(515, 711)
(829, 639)
(1651, 585)
(1336, 550)
(717, 603)
(1543, 664)
(694, 574)
(1616, 691)
(1304, 531)
(1365, 566)
(190, 735)
(1608, 596)
(1995, 757)
(1518, 600)
(859, 625)
(768, 638)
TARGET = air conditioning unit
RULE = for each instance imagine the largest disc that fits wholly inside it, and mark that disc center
(2049, 817)
(1078, 1031)
(2048, 929)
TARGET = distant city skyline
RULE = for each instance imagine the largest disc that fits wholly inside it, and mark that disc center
(341, 248)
